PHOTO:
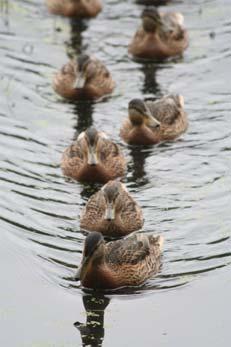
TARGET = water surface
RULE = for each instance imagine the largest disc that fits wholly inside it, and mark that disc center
(183, 187)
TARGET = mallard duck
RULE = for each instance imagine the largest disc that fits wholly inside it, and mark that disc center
(75, 8)
(112, 211)
(93, 157)
(126, 262)
(83, 78)
(151, 122)
(160, 35)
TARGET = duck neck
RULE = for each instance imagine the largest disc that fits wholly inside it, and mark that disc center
(141, 135)
(149, 25)
(92, 173)
(94, 276)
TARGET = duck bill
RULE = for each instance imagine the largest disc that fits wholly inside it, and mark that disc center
(78, 273)
(153, 122)
(109, 213)
(80, 81)
(92, 157)
(80, 270)
(181, 100)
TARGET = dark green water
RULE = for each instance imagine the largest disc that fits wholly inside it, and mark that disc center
(183, 187)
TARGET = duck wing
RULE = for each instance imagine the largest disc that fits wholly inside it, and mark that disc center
(173, 25)
(131, 250)
(167, 109)
(98, 75)
(131, 214)
(111, 157)
(75, 151)
(93, 212)
(108, 148)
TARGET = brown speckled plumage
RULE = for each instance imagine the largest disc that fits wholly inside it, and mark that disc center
(169, 38)
(128, 216)
(98, 81)
(169, 111)
(75, 8)
(127, 262)
(111, 162)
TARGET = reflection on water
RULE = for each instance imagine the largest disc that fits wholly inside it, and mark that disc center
(92, 332)
(88, 190)
(137, 166)
(75, 44)
(150, 85)
(84, 112)
(4, 8)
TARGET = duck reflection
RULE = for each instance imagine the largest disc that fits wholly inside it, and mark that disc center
(92, 332)
(4, 6)
(75, 45)
(84, 111)
(4, 9)
(137, 166)
(88, 190)
(150, 85)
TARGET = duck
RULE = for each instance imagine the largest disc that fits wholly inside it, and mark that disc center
(150, 122)
(83, 78)
(112, 211)
(93, 157)
(160, 36)
(75, 8)
(122, 263)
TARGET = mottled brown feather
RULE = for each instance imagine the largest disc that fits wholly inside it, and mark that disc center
(112, 163)
(98, 81)
(75, 8)
(127, 262)
(170, 39)
(128, 214)
(169, 111)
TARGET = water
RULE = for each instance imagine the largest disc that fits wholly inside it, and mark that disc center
(183, 187)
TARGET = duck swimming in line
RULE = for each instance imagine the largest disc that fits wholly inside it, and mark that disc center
(150, 122)
(126, 262)
(93, 157)
(112, 211)
(75, 8)
(160, 36)
(83, 78)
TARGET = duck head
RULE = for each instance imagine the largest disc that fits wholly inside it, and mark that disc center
(139, 114)
(89, 140)
(81, 70)
(93, 252)
(112, 195)
(151, 19)
(91, 136)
